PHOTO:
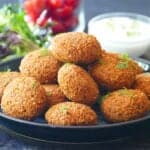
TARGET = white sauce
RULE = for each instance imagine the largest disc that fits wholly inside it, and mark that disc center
(120, 29)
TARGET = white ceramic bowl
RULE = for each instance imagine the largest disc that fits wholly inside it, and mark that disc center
(133, 46)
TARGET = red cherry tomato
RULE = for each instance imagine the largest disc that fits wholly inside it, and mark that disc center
(63, 12)
(71, 22)
(40, 4)
(58, 27)
(73, 3)
(34, 8)
(30, 10)
(55, 3)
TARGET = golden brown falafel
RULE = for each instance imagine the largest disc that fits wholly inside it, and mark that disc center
(114, 71)
(77, 84)
(54, 94)
(71, 113)
(5, 78)
(142, 82)
(23, 98)
(124, 105)
(75, 47)
(41, 65)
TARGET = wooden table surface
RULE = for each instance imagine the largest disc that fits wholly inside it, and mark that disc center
(92, 8)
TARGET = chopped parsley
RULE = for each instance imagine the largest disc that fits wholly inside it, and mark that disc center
(131, 33)
(126, 92)
(101, 98)
(44, 52)
(124, 62)
(48, 93)
(64, 109)
(125, 57)
(68, 64)
(100, 61)
(122, 65)
(34, 84)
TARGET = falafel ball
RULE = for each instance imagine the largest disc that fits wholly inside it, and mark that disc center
(24, 98)
(41, 65)
(77, 85)
(54, 94)
(71, 113)
(114, 71)
(5, 78)
(142, 82)
(125, 105)
(75, 47)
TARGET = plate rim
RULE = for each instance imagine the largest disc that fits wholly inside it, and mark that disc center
(17, 134)
(98, 126)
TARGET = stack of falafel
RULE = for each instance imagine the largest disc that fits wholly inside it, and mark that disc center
(66, 80)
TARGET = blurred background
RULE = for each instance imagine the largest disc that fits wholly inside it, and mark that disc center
(94, 7)
(90, 9)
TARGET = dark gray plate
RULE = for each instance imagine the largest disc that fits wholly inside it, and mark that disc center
(103, 132)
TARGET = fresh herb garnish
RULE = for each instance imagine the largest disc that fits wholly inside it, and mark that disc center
(68, 64)
(102, 98)
(34, 84)
(16, 39)
(126, 92)
(124, 57)
(131, 33)
(16, 36)
(64, 109)
(124, 62)
(44, 52)
(100, 61)
(122, 65)
(48, 93)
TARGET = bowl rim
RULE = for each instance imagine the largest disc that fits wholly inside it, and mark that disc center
(133, 15)
(88, 127)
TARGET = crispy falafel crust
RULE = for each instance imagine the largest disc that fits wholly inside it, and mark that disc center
(142, 82)
(77, 84)
(71, 113)
(5, 78)
(24, 98)
(75, 47)
(40, 65)
(54, 94)
(107, 73)
(124, 105)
